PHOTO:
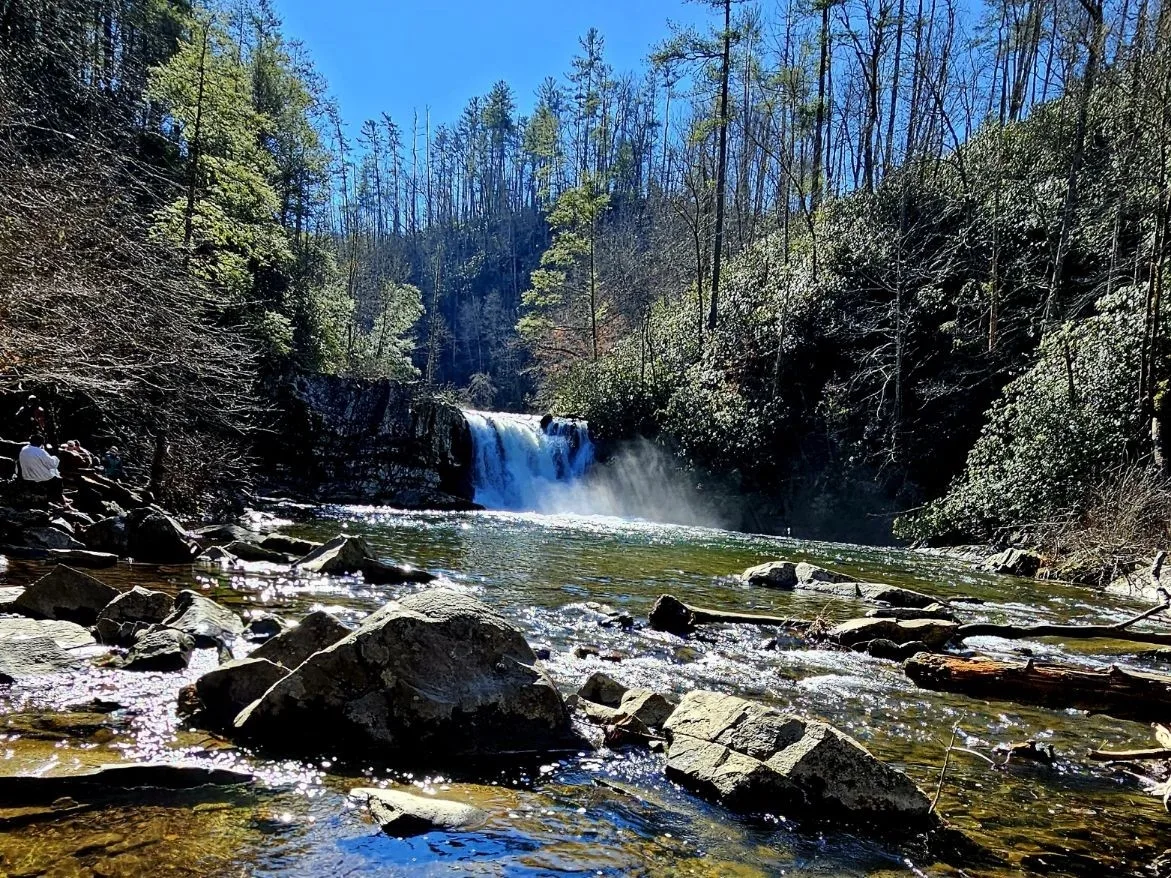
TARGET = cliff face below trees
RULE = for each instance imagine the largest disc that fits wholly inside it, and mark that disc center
(351, 440)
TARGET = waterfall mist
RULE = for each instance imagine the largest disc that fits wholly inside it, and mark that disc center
(640, 480)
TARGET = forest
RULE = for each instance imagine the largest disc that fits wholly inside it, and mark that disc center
(893, 266)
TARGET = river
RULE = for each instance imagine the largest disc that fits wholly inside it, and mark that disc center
(607, 813)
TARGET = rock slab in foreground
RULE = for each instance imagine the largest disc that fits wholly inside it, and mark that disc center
(402, 814)
(65, 594)
(751, 757)
(436, 675)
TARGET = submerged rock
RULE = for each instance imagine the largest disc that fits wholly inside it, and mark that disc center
(933, 632)
(130, 612)
(163, 649)
(403, 814)
(754, 758)
(206, 621)
(65, 594)
(31, 657)
(316, 631)
(437, 675)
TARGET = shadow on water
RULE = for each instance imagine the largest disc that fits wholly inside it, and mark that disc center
(556, 577)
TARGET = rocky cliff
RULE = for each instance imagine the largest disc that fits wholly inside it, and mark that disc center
(350, 440)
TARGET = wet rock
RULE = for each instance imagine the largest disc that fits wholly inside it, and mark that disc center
(1014, 562)
(813, 573)
(108, 781)
(672, 615)
(82, 558)
(544, 653)
(586, 650)
(50, 537)
(221, 694)
(602, 689)
(263, 626)
(210, 624)
(67, 594)
(316, 631)
(62, 726)
(130, 612)
(933, 632)
(404, 814)
(437, 675)
(601, 714)
(148, 535)
(769, 644)
(8, 596)
(216, 555)
(222, 534)
(163, 649)
(931, 611)
(648, 707)
(347, 554)
(625, 621)
(898, 652)
(751, 757)
(774, 574)
(289, 545)
(67, 635)
(247, 551)
(31, 657)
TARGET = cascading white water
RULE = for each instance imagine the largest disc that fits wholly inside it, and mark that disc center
(518, 463)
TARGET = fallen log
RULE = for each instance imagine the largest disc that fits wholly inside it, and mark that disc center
(1116, 692)
(1129, 755)
(672, 615)
(1117, 631)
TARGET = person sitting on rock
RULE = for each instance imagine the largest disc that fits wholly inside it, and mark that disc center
(112, 463)
(74, 460)
(36, 465)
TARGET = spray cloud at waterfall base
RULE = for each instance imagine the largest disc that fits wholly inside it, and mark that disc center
(524, 463)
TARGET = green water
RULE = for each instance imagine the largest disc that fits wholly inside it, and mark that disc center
(605, 813)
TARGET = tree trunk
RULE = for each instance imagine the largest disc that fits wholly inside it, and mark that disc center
(722, 169)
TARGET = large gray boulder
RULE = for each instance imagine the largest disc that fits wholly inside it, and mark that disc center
(812, 573)
(933, 632)
(65, 594)
(210, 624)
(754, 758)
(437, 675)
(602, 689)
(316, 631)
(774, 574)
(130, 612)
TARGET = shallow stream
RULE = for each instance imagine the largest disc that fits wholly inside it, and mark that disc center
(604, 813)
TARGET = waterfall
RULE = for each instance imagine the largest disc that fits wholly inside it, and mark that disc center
(519, 458)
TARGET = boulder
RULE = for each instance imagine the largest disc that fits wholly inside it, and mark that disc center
(222, 534)
(403, 814)
(289, 545)
(130, 612)
(316, 631)
(28, 657)
(648, 707)
(216, 555)
(934, 632)
(812, 573)
(67, 635)
(148, 535)
(754, 758)
(774, 574)
(65, 594)
(602, 689)
(263, 626)
(671, 615)
(221, 694)
(163, 649)
(51, 537)
(1014, 562)
(210, 624)
(247, 551)
(8, 595)
(437, 675)
(347, 554)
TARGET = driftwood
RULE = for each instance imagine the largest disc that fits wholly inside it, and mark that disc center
(1117, 631)
(1119, 693)
(671, 614)
(1129, 755)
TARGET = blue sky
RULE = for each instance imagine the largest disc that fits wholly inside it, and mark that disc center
(396, 56)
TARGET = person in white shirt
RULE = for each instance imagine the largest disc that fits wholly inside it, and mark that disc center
(35, 464)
